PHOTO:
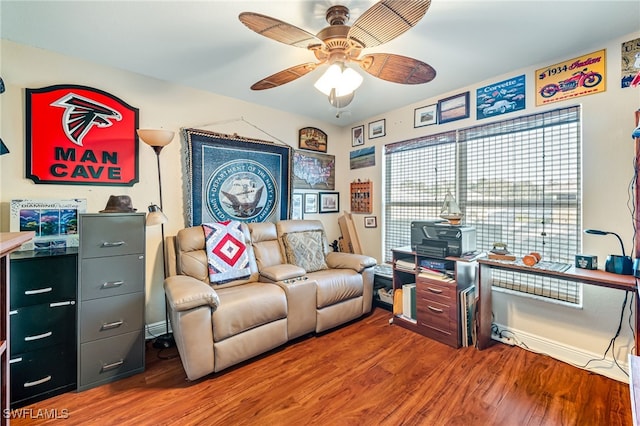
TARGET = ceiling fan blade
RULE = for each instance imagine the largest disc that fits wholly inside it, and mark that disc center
(284, 76)
(278, 30)
(397, 69)
(386, 20)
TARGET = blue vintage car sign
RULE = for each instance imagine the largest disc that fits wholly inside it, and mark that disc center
(500, 98)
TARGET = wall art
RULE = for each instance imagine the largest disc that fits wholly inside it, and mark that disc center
(313, 170)
(357, 135)
(235, 178)
(311, 202)
(453, 108)
(364, 157)
(80, 135)
(329, 202)
(312, 139)
(377, 129)
(425, 116)
(584, 75)
(630, 71)
(296, 206)
(500, 98)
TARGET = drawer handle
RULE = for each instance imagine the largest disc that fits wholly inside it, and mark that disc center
(107, 367)
(112, 244)
(37, 382)
(112, 284)
(38, 336)
(58, 304)
(438, 310)
(110, 325)
(435, 290)
(38, 291)
(14, 360)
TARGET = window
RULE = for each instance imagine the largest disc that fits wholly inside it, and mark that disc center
(516, 181)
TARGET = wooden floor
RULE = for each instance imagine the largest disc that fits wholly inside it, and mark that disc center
(365, 373)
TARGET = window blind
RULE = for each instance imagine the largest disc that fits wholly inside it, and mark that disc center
(517, 181)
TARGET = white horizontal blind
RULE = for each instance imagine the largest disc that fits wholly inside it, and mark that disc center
(519, 183)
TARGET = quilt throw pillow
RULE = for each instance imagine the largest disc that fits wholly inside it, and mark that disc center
(227, 255)
(305, 249)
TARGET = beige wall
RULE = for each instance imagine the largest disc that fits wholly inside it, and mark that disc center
(608, 153)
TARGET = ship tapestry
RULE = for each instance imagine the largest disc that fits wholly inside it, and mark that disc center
(236, 178)
(313, 171)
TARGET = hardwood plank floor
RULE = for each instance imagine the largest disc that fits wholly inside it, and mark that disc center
(366, 372)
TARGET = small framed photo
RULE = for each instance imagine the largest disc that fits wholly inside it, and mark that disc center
(377, 129)
(329, 202)
(312, 139)
(370, 222)
(357, 136)
(296, 206)
(425, 116)
(311, 202)
(453, 108)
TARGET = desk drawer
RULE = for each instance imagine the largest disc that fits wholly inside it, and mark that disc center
(111, 276)
(437, 316)
(42, 280)
(41, 371)
(36, 327)
(436, 291)
(117, 236)
(102, 360)
(108, 317)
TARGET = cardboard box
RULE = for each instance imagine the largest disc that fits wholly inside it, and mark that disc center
(586, 261)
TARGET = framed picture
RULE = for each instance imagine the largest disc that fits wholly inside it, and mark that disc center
(312, 170)
(296, 206)
(453, 108)
(501, 98)
(236, 178)
(377, 129)
(357, 136)
(425, 116)
(311, 202)
(312, 139)
(370, 222)
(329, 202)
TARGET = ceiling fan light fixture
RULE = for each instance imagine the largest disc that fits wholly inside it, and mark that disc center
(340, 78)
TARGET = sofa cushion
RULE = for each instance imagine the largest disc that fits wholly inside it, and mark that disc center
(305, 249)
(247, 306)
(227, 255)
(336, 285)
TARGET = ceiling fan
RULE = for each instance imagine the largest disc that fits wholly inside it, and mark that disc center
(339, 44)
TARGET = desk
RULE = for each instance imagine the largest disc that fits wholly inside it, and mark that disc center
(585, 276)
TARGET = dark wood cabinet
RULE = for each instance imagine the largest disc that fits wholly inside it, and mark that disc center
(42, 320)
(437, 297)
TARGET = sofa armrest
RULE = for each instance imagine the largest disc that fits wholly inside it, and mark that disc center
(357, 262)
(282, 272)
(185, 292)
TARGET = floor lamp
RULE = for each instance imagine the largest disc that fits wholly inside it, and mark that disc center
(158, 139)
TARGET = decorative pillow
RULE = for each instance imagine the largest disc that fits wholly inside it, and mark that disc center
(305, 249)
(227, 255)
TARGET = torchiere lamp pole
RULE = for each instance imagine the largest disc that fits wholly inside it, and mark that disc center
(158, 139)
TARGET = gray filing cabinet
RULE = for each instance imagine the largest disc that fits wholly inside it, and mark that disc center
(111, 297)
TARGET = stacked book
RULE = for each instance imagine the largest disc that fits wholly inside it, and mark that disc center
(405, 265)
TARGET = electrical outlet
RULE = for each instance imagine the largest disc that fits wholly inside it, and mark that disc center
(502, 339)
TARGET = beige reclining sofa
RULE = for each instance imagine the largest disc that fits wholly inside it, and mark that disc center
(296, 286)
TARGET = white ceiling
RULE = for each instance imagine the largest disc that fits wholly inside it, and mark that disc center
(202, 44)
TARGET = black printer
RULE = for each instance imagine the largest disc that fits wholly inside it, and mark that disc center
(440, 239)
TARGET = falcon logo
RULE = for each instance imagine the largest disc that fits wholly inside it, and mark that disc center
(81, 114)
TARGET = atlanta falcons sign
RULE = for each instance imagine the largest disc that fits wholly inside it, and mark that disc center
(80, 135)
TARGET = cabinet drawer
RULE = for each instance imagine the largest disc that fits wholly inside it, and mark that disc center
(434, 290)
(111, 276)
(40, 280)
(437, 315)
(41, 371)
(111, 234)
(100, 318)
(103, 360)
(36, 327)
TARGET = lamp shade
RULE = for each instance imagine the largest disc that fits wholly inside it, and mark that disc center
(155, 137)
(155, 216)
(339, 77)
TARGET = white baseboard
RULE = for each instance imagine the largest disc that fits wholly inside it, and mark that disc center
(562, 352)
(154, 330)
